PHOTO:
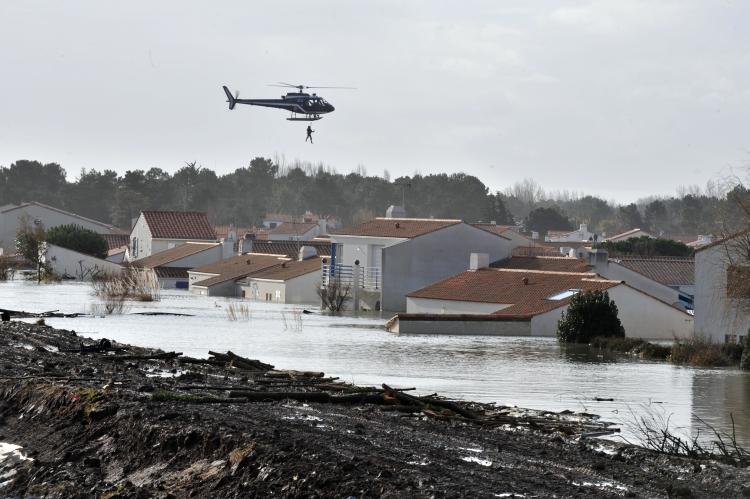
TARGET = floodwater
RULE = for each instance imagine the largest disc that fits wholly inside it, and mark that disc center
(527, 372)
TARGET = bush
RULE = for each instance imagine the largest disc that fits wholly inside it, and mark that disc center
(589, 315)
(745, 360)
(77, 238)
(700, 352)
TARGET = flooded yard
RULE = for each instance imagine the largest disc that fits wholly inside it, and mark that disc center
(528, 372)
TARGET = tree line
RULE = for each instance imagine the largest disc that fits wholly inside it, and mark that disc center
(244, 196)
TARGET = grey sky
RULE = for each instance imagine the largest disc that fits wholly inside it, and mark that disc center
(621, 99)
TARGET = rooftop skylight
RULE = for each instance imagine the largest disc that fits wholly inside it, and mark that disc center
(564, 294)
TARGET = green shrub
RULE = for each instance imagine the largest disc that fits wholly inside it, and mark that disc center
(77, 238)
(701, 352)
(589, 315)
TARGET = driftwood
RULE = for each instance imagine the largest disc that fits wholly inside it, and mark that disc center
(153, 356)
(407, 399)
(40, 315)
(241, 362)
(294, 374)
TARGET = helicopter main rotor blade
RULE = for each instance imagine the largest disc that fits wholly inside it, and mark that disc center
(348, 88)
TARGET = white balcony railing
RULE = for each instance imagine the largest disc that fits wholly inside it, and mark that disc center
(367, 277)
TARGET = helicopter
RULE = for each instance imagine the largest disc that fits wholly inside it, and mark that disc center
(303, 106)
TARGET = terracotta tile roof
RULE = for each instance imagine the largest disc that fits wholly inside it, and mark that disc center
(506, 287)
(116, 240)
(670, 271)
(498, 230)
(171, 272)
(189, 225)
(293, 228)
(290, 248)
(236, 267)
(554, 263)
(397, 227)
(289, 270)
(172, 254)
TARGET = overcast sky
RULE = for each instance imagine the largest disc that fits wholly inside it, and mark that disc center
(620, 99)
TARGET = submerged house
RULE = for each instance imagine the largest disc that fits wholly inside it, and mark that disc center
(522, 302)
(156, 231)
(722, 289)
(294, 281)
(221, 278)
(12, 217)
(384, 259)
(171, 266)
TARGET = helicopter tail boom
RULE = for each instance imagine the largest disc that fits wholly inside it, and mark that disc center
(230, 98)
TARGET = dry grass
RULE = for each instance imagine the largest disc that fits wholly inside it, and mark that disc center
(292, 320)
(701, 352)
(130, 285)
(238, 311)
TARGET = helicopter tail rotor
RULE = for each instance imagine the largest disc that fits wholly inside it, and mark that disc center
(231, 99)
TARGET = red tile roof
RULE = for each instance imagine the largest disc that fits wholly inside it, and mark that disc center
(397, 227)
(172, 254)
(188, 225)
(293, 228)
(289, 270)
(498, 230)
(506, 287)
(171, 272)
(115, 241)
(537, 250)
(236, 267)
(627, 234)
(671, 271)
(290, 248)
(554, 263)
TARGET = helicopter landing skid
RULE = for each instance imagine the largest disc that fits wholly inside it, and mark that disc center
(307, 117)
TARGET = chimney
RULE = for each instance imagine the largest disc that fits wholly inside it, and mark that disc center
(227, 247)
(323, 225)
(598, 257)
(246, 244)
(479, 261)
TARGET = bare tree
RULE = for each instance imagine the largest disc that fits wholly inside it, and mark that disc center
(334, 295)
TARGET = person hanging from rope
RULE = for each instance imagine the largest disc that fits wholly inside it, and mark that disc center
(309, 134)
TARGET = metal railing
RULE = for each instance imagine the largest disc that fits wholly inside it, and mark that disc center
(366, 277)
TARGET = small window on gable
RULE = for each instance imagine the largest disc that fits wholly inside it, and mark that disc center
(564, 294)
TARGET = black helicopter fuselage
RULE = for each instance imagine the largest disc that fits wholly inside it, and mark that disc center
(310, 106)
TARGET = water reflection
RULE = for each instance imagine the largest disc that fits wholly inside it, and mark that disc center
(528, 372)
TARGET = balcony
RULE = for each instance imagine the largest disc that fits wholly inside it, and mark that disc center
(369, 278)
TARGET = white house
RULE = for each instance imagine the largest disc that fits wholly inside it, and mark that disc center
(391, 257)
(171, 266)
(670, 279)
(156, 231)
(722, 289)
(221, 278)
(519, 302)
(294, 231)
(37, 214)
(289, 282)
(70, 264)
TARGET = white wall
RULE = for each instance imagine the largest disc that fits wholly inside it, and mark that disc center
(206, 257)
(432, 306)
(616, 272)
(716, 315)
(310, 234)
(66, 262)
(10, 222)
(361, 248)
(300, 290)
(142, 233)
(415, 263)
(641, 315)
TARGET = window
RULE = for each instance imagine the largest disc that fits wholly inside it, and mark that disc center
(564, 294)
(278, 295)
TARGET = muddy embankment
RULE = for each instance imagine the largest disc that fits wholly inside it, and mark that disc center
(108, 420)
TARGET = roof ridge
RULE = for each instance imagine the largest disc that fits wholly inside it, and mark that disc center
(534, 271)
(421, 219)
